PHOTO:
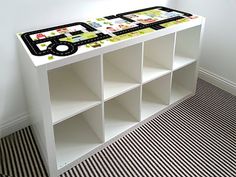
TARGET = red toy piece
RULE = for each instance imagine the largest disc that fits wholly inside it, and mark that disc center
(40, 36)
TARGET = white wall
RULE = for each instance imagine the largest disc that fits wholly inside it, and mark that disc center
(23, 15)
(218, 57)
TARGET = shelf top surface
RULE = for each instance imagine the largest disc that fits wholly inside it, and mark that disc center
(51, 45)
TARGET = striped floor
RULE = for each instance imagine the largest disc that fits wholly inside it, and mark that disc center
(19, 156)
(195, 138)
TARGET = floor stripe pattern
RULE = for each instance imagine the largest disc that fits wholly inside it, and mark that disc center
(195, 138)
(20, 157)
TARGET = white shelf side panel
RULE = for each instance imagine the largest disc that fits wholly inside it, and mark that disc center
(76, 137)
(187, 46)
(122, 113)
(38, 101)
(155, 96)
(69, 95)
(184, 82)
(115, 81)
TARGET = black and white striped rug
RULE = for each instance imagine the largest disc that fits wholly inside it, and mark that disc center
(195, 138)
(19, 156)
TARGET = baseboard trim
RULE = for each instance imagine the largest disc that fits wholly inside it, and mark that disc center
(18, 123)
(217, 80)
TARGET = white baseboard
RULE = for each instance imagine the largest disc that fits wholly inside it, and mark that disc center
(217, 80)
(18, 123)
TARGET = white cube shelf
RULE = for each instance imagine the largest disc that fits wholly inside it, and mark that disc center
(121, 113)
(118, 76)
(155, 96)
(78, 102)
(187, 47)
(78, 135)
(158, 57)
(183, 82)
(74, 88)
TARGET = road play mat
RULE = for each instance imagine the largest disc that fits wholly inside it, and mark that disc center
(67, 39)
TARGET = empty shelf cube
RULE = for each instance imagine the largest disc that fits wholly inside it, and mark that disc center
(122, 70)
(74, 88)
(183, 82)
(187, 47)
(121, 113)
(155, 96)
(78, 135)
(158, 57)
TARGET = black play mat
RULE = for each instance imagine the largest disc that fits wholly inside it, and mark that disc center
(65, 39)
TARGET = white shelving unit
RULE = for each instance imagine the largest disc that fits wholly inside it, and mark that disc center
(79, 102)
